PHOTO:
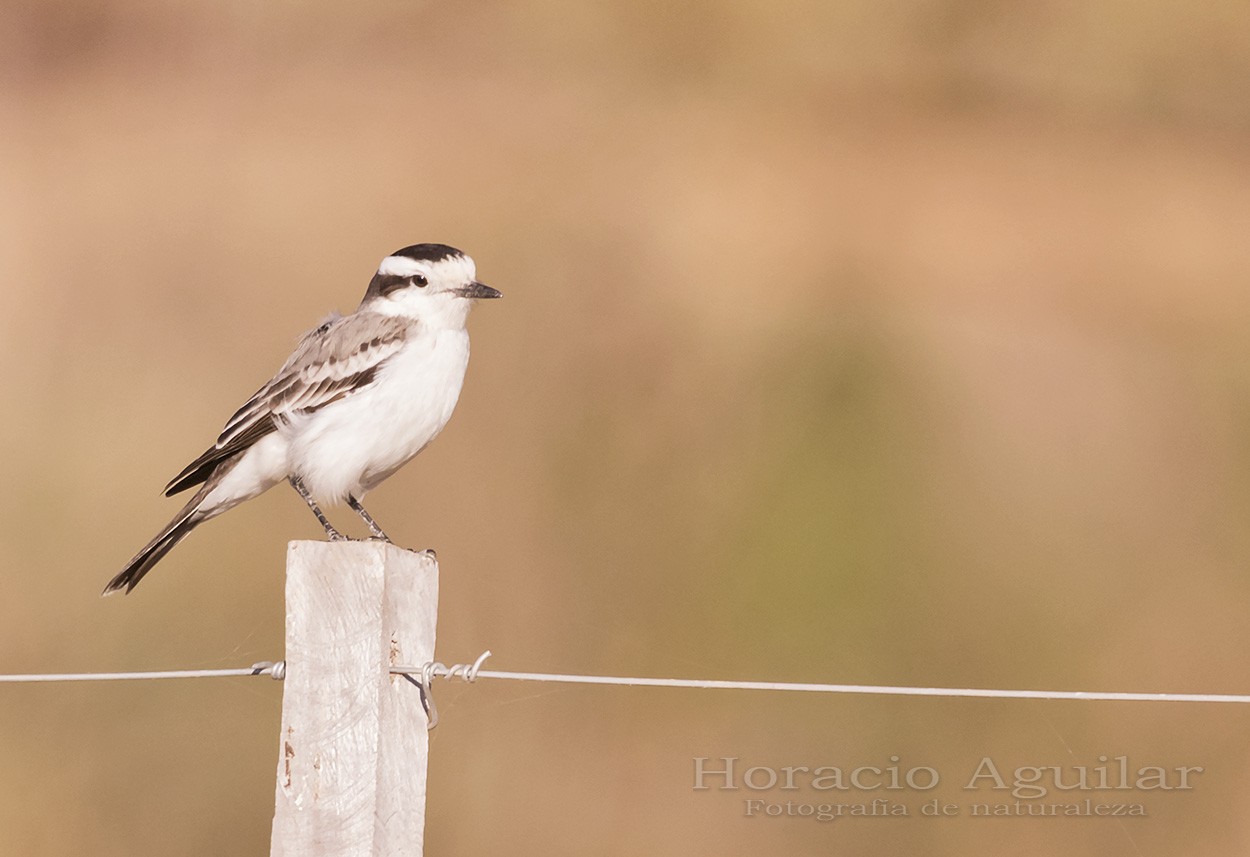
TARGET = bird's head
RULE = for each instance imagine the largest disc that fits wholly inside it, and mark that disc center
(433, 283)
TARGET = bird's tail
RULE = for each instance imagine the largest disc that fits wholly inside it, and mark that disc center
(187, 520)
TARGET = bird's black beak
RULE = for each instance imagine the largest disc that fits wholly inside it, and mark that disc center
(478, 291)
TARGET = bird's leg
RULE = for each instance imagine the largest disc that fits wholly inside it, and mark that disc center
(298, 485)
(372, 524)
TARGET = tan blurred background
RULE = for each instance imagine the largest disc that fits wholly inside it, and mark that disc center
(855, 341)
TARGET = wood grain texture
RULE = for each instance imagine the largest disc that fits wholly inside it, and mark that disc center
(353, 748)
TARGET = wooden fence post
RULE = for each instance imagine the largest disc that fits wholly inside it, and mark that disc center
(353, 748)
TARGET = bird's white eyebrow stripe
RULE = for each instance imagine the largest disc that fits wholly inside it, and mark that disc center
(400, 266)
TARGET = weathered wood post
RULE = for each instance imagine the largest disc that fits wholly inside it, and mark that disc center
(352, 753)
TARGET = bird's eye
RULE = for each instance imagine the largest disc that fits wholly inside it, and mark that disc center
(419, 281)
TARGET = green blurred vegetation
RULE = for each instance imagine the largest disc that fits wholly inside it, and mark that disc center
(842, 341)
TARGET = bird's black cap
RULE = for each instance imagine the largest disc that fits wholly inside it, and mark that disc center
(428, 252)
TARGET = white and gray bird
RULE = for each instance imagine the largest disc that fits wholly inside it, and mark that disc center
(359, 397)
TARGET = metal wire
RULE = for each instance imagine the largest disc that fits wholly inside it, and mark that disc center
(273, 670)
(474, 671)
(425, 673)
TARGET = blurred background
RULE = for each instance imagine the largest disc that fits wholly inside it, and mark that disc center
(869, 342)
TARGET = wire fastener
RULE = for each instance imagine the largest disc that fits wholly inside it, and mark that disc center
(432, 669)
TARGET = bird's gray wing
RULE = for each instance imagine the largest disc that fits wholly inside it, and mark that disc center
(337, 359)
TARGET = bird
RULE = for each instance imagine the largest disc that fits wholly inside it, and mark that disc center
(358, 398)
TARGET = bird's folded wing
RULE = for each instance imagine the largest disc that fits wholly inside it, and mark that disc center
(337, 359)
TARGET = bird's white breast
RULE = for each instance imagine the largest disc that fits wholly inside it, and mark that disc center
(353, 444)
